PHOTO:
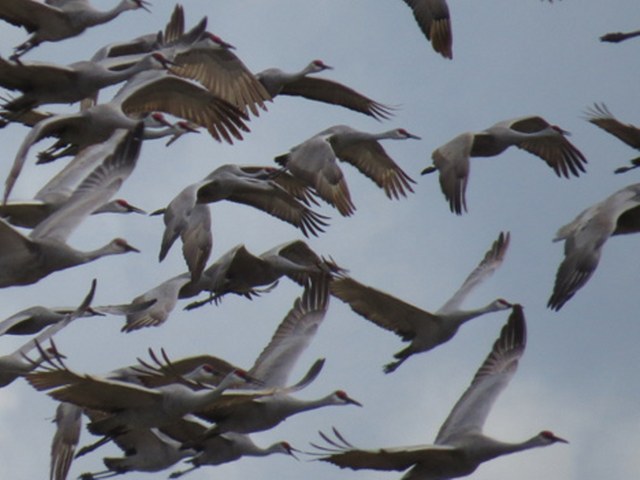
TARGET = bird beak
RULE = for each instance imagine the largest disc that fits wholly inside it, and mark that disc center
(561, 440)
(429, 169)
(292, 450)
(411, 135)
(158, 212)
(130, 248)
(95, 312)
(132, 209)
(353, 402)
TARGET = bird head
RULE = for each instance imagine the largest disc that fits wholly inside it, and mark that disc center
(402, 133)
(126, 207)
(318, 66)
(218, 41)
(342, 398)
(122, 245)
(549, 438)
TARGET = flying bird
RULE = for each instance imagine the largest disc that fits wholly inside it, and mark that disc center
(424, 330)
(460, 446)
(53, 21)
(585, 236)
(314, 162)
(617, 37)
(601, 117)
(533, 134)
(27, 259)
(301, 84)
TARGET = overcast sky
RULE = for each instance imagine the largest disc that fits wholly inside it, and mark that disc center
(579, 374)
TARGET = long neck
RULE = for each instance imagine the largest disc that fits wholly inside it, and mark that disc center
(97, 17)
(459, 317)
(492, 448)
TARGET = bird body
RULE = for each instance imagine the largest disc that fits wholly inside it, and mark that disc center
(531, 133)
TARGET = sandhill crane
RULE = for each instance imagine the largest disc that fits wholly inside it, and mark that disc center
(45, 83)
(617, 37)
(128, 405)
(460, 446)
(433, 19)
(532, 133)
(25, 260)
(240, 272)
(146, 450)
(164, 298)
(231, 182)
(59, 189)
(601, 117)
(156, 126)
(423, 329)
(17, 364)
(48, 22)
(224, 448)
(145, 92)
(314, 162)
(251, 413)
(278, 82)
(585, 237)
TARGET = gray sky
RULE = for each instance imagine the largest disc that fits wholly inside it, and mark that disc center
(579, 375)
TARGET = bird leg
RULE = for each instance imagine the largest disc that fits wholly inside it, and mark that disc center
(91, 447)
(179, 473)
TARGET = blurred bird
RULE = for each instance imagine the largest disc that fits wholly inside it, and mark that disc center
(146, 92)
(18, 364)
(585, 237)
(46, 83)
(278, 82)
(423, 329)
(53, 21)
(460, 446)
(25, 260)
(618, 37)
(533, 134)
(601, 117)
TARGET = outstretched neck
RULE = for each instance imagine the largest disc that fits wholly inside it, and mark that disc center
(98, 17)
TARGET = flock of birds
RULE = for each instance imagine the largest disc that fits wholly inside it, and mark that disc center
(202, 409)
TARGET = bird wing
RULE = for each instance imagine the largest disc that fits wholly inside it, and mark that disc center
(30, 14)
(433, 19)
(223, 74)
(489, 264)
(294, 334)
(328, 91)
(600, 116)
(97, 187)
(555, 149)
(373, 161)
(382, 309)
(197, 240)
(63, 446)
(269, 197)
(314, 162)
(472, 409)
(452, 161)
(160, 91)
(51, 126)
